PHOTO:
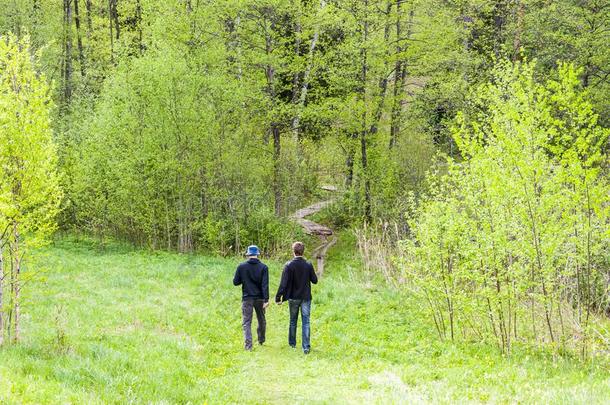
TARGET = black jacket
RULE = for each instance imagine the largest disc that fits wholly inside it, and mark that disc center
(296, 278)
(253, 275)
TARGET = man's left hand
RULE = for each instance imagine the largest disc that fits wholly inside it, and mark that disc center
(265, 305)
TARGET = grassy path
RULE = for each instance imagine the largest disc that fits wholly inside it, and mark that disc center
(137, 327)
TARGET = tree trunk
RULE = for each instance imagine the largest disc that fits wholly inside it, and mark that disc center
(367, 181)
(518, 32)
(297, 51)
(81, 55)
(139, 23)
(400, 76)
(305, 84)
(89, 23)
(15, 283)
(277, 183)
(275, 130)
(383, 87)
(113, 18)
(67, 73)
(364, 131)
(349, 162)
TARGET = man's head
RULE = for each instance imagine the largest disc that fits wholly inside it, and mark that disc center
(298, 248)
(253, 251)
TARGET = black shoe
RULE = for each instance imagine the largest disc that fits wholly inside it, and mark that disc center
(306, 351)
(294, 347)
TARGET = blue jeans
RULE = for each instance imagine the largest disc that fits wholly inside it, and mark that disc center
(305, 307)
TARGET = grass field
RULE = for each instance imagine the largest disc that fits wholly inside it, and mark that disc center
(122, 326)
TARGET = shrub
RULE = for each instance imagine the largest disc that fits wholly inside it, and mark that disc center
(512, 242)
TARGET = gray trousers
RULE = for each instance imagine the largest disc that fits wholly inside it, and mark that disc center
(247, 308)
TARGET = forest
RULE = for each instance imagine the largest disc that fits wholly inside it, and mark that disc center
(460, 149)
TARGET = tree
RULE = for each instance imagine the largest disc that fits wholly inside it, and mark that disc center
(29, 182)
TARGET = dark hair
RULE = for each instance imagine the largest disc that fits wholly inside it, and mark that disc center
(298, 248)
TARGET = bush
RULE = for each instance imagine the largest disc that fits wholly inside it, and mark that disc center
(512, 243)
(260, 227)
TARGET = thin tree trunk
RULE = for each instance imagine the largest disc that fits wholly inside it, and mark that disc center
(277, 183)
(89, 23)
(448, 295)
(115, 32)
(518, 32)
(275, 131)
(400, 76)
(349, 162)
(588, 301)
(297, 51)
(111, 30)
(533, 303)
(306, 79)
(115, 18)
(364, 131)
(238, 48)
(383, 87)
(367, 181)
(81, 55)
(139, 23)
(16, 283)
(67, 51)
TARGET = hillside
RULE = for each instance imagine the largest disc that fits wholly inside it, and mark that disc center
(119, 326)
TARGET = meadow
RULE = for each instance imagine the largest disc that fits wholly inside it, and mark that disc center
(117, 325)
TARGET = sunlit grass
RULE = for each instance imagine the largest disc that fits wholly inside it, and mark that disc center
(117, 326)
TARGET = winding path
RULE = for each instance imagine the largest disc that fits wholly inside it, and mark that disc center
(325, 234)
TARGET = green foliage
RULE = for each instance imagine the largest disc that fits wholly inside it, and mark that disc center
(162, 163)
(512, 242)
(29, 192)
(577, 32)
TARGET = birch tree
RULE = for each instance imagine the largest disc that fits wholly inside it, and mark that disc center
(29, 190)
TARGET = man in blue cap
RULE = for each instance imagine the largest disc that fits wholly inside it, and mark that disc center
(253, 275)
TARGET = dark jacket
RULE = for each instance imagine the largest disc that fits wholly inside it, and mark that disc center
(253, 275)
(296, 278)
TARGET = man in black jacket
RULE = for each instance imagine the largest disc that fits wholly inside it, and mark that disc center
(253, 275)
(295, 287)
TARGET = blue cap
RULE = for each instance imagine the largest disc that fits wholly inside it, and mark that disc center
(253, 251)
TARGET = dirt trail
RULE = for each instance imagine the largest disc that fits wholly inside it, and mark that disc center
(324, 233)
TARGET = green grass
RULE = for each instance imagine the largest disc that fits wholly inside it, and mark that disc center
(120, 326)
